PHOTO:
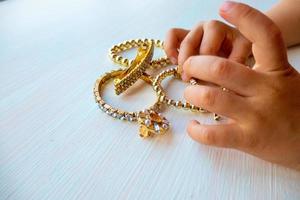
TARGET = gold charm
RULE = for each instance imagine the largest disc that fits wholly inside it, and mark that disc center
(152, 123)
(136, 68)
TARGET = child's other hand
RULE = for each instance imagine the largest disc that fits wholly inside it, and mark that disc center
(263, 102)
(207, 38)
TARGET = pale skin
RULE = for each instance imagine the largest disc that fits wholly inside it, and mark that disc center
(263, 102)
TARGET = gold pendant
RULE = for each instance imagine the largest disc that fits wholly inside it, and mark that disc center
(152, 123)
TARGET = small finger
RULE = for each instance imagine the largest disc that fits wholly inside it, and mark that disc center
(222, 135)
(172, 43)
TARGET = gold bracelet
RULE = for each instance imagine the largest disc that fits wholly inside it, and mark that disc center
(163, 98)
(151, 122)
(136, 69)
(129, 44)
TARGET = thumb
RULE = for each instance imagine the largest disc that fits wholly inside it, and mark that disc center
(268, 46)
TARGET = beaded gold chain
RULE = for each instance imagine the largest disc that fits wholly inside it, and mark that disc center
(163, 98)
(129, 44)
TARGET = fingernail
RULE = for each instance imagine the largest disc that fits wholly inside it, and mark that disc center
(227, 5)
(173, 60)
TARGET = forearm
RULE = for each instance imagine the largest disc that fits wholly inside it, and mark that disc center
(286, 14)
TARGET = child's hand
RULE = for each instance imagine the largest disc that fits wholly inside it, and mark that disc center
(263, 102)
(208, 38)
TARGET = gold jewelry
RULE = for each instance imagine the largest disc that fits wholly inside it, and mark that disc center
(136, 68)
(129, 44)
(151, 122)
(163, 98)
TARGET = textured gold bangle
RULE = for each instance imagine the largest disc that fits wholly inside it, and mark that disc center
(163, 98)
(129, 44)
(151, 122)
(139, 65)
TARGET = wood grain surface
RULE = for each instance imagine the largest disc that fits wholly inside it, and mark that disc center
(56, 144)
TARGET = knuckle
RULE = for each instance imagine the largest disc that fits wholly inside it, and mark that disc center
(208, 50)
(172, 32)
(221, 68)
(273, 31)
(239, 59)
(212, 24)
(208, 97)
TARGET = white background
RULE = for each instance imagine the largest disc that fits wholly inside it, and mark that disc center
(56, 144)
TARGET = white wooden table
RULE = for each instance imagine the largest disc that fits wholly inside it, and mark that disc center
(56, 144)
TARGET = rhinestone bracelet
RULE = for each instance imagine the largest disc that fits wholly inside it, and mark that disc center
(151, 122)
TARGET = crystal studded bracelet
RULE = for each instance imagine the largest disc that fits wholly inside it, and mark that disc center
(151, 122)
